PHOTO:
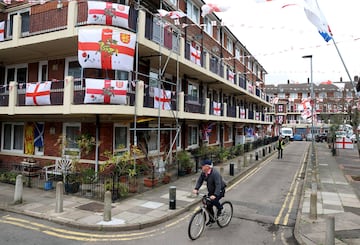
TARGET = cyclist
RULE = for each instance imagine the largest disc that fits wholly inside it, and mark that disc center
(215, 185)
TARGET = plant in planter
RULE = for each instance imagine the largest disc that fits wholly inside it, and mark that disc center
(186, 164)
(133, 185)
(88, 177)
(72, 183)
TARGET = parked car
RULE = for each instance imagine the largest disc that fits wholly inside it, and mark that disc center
(321, 137)
(309, 136)
(353, 138)
(298, 137)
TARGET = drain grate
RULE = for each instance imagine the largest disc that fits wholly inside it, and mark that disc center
(92, 206)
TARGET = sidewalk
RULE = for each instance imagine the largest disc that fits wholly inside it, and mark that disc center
(336, 196)
(136, 212)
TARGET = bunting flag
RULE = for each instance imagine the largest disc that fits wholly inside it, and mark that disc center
(162, 99)
(105, 91)
(29, 1)
(210, 8)
(195, 55)
(39, 135)
(107, 13)
(38, 93)
(29, 139)
(171, 14)
(317, 18)
(217, 108)
(106, 49)
(2, 30)
(275, 100)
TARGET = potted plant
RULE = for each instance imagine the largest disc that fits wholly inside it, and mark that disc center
(133, 185)
(88, 177)
(72, 183)
(185, 162)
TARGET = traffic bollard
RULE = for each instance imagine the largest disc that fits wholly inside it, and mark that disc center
(256, 156)
(330, 230)
(231, 169)
(172, 197)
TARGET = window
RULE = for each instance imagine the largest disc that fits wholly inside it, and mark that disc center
(280, 108)
(322, 95)
(293, 95)
(71, 132)
(16, 73)
(237, 54)
(121, 141)
(173, 2)
(43, 71)
(193, 92)
(72, 67)
(193, 136)
(208, 27)
(193, 12)
(152, 139)
(229, 45)
(25, 20)
(281, 95)
(12, 137)
(230, 133)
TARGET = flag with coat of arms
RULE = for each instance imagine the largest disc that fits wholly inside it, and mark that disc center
(38, 93)
(106, 49)
(105, 91)
(107, 13)
(162, 99)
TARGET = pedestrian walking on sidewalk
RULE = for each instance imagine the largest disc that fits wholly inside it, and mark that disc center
(215, 186)
(280, 147)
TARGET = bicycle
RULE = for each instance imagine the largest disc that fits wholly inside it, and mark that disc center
(197, 221)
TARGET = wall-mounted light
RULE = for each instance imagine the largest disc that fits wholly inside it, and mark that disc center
(59, 4)
(52, 130)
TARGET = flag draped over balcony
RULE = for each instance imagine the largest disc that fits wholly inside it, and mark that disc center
(206, 130)
(107, 13)
(106, 49)
(38, 93)
(2, 30)
(162, 99)
(195, 55)
(217, 108)
(105, 91)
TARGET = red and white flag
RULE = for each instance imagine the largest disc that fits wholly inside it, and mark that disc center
(211, 7)
(106, 49)
(242, 113)
(231, 76)
(195, 55)
(38, 93)
(2, 30)
(162, 99)
(105, 91)
(107, 13)
(171, 14)
(275, 100)
(217, 108)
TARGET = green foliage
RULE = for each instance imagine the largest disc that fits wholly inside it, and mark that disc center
(185, 160)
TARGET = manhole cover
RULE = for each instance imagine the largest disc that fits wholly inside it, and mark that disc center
(92, 206)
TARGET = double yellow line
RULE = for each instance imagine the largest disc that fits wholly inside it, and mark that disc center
(290, 198)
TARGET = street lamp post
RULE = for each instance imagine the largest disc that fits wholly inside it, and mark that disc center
(312, 97)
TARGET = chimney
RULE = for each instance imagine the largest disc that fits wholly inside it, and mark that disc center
(288, 81)
(340, 79)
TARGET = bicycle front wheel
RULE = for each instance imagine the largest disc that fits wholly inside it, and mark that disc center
(196, 225)
(226, 214)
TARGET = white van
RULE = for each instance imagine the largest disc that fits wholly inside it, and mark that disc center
(287, 133)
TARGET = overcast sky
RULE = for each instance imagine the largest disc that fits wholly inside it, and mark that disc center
(278, 38)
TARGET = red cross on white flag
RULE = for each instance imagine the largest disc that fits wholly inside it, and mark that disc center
(107, 13)
(217, 108)
(195, 55)
(38, 93)
(2, 30)
(114, 51)
(105, 91)
(242, 113)
(162, 99)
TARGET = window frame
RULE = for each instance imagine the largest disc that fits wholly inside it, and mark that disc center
(192, 128)
(195, 17)
(12, 135)
(16, 71)
(191, 97)
(71, 149)
(117, 150)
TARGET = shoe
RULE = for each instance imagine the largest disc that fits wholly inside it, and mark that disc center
(210, 222)
(219, 212)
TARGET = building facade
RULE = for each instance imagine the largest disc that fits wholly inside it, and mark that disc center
(186, 81)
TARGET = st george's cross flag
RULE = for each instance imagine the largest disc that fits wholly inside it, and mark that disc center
(105, 91)
(171, 14)
(217, 108)
(162, 99)
(106, 49)
(195, 55)
(38, 93)
(107, 13)
(211, 7)
(2, 30)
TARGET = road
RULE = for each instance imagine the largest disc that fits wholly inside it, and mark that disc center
(265, 206)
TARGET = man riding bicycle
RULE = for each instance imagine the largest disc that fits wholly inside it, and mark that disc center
(215, 185)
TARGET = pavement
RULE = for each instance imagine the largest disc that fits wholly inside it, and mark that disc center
(337, 193)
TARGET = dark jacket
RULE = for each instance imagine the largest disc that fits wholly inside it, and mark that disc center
(214, 182)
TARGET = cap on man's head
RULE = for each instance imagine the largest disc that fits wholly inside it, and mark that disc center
(206, 162)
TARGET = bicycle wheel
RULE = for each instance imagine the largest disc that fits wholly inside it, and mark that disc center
(226, 215)
(196, 225)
